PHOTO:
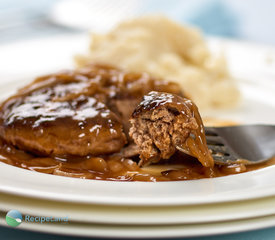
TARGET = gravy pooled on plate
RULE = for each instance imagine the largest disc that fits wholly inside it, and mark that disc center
(76, 124)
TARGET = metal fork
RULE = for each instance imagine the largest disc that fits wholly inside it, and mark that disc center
(251, 143)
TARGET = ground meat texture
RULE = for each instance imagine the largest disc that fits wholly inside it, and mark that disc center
(163, 121)
(82, 112)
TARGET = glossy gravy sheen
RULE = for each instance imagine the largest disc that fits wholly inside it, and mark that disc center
(66, 99)
(115, 168)
(185, 128)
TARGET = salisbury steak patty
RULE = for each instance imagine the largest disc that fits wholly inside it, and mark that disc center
(40, 122)
(162, 123)
(75, 112)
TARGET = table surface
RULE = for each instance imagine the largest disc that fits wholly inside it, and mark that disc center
(21, 19)
(14, 234)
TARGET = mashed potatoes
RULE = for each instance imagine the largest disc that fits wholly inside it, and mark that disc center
(165, 49)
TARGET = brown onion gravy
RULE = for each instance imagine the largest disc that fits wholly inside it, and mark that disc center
(102, 85)
(185, 117)
(115, 168)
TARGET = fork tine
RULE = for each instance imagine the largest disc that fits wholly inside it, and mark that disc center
(221, 160)
(214, 140)
(220, 152)
(217, 149)
(210, 132)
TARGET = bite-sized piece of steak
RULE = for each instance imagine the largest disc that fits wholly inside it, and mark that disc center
(163, 122)
(76, 112)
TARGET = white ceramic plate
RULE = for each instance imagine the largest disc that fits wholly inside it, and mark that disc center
(253, 65)
(125, 215)
(145, 231)
(231, 188)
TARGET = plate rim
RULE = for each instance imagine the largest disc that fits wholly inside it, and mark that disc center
(120, 201)
(174, 231)
(121, 215)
